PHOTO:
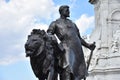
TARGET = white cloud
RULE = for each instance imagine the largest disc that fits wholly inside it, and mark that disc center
(19, 13)
(17, 19)
(10, 59)
(85, 22)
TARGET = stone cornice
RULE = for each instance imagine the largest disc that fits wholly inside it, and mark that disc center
(105, 70)
(92, 1)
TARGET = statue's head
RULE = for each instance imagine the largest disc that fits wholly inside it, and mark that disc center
(64, 10)
(35, 43)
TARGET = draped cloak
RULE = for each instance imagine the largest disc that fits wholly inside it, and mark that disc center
(68, 33)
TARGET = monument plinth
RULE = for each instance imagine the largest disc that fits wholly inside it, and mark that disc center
(105, 64)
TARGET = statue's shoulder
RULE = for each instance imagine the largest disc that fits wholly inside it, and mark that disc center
(70, 21)
(58, 20)
(55, 22)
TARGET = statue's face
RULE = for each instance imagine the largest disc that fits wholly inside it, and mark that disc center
(66, 12)
(33, 44)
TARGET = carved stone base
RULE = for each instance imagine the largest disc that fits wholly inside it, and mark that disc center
(104, 74)
(106, 68)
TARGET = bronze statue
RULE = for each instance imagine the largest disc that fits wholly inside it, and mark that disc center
(72, 61)
(43, 51)
(48, 58)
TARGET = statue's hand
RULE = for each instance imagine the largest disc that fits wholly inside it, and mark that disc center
(53, 39)
(92, 46)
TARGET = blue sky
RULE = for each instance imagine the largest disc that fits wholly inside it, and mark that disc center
(19, 17)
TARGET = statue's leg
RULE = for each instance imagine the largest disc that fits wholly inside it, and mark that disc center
(52, 74)
(65, 75)
(77, 78)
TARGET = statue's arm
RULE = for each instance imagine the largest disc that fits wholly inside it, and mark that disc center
(91, 46)
(83, 42)
(51, 30)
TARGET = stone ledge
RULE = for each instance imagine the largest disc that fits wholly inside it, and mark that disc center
(92, 1)
(105, 70)
(108, 74)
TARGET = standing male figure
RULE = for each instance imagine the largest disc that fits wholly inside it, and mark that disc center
(72, 61)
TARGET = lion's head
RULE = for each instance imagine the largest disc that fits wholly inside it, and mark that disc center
(35, 43)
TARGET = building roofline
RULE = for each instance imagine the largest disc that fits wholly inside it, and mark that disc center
(92, 1)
